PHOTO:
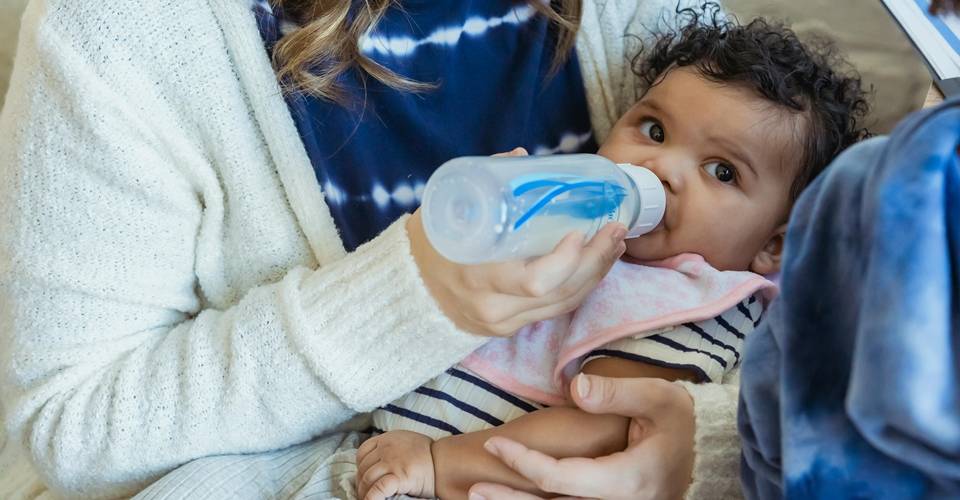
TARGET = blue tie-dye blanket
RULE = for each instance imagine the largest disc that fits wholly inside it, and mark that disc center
(851, 386)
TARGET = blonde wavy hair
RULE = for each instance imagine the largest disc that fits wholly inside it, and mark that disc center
(312, 58)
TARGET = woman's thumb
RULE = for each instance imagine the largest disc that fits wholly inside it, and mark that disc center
(621, 396)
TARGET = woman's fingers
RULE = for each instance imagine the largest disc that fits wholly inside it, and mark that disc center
(603, 477)
(594, 262)
(657, 463)
(540, 277)
(600, 253)
(572, 264)
(521, 293)
(519, 289)
(564, 272)
(491, 491)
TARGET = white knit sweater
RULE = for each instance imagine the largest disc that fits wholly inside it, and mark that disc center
(172, 285)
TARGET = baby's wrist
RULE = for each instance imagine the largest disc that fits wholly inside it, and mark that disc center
(443, 482)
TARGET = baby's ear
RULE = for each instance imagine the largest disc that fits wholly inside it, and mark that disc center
(767, 261)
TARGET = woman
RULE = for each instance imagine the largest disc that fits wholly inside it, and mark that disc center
(195, 266)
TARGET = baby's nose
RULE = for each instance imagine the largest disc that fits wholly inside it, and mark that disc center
(669, 174)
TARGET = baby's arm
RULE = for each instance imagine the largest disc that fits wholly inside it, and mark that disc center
(625, 368)
(460, 461)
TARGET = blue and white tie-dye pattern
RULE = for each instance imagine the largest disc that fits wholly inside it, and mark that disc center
(851, 386)
(491, 61)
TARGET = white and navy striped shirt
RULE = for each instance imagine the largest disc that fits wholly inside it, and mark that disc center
(460, 401)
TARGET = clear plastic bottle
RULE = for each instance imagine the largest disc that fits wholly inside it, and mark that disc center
(487, 209)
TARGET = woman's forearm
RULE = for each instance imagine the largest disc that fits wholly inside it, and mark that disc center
(460, 461)
(117, 377)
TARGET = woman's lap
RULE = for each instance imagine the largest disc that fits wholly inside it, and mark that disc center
(323, 468)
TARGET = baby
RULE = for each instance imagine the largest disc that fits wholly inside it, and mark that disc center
(735, 120)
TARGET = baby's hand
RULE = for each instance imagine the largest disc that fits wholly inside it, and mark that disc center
(395, 463)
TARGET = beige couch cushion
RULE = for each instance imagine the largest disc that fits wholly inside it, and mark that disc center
(10, 11)
(868, 37)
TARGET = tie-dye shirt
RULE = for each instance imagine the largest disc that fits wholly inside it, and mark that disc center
(491, 63)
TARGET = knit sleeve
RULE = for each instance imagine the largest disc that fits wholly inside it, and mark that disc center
(116, 365)
(716, 468)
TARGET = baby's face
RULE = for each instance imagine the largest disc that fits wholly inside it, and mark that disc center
(726, 159)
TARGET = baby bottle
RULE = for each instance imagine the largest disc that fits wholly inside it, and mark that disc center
(486, 209)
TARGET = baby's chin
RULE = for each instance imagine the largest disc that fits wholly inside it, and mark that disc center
(655, 246)
(647, 248)
(650, 248)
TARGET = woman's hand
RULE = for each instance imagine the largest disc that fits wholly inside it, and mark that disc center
(499, 299)
(658, 461)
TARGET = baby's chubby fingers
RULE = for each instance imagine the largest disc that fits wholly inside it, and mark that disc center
(367, 456)
(368, 461)
(385, 487)
(369, 477)
(366, 448)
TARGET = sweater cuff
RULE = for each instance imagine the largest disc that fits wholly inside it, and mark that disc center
(371, 328)
(716, 467)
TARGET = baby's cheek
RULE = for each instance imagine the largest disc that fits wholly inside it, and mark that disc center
(707, 236)
(732, 246)
(651, 246)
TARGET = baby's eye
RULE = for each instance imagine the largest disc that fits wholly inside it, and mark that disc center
(723, 172)
(653, 130)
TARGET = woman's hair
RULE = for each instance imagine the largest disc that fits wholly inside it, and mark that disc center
(768, 59)
(312, 58)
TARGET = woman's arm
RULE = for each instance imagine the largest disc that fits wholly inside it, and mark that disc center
(559, 432)
(157, 291)
(716, 441)
(658, 466)
(538, 433)
(460, 461)
(124, 353)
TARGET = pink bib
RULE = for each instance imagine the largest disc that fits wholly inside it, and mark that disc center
(538, 362)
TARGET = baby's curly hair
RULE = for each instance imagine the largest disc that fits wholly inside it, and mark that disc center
(768, 58)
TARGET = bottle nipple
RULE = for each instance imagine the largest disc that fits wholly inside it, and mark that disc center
(653, 199)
